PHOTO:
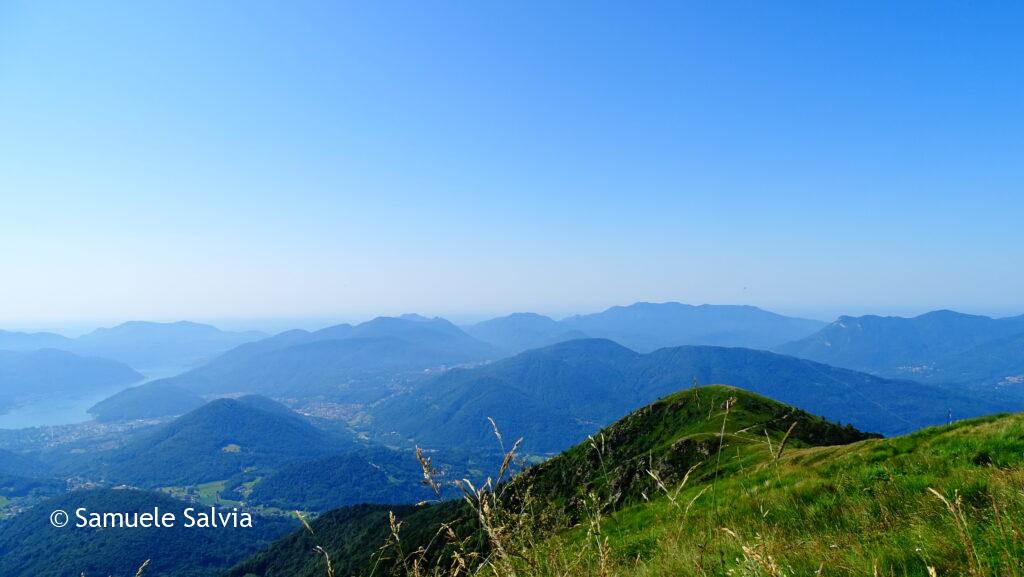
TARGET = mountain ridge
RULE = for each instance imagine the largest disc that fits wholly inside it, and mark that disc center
(646, 326)
(537, 394)
(149, 347)
(940, 346)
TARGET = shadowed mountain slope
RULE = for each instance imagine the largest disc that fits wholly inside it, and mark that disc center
(557, 395)
(937, 347)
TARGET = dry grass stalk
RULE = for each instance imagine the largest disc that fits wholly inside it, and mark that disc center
(327, 558)
(955, 508)
(429, 472)
(305, 523)
(673, 496)
(497, 433)
(785, 438)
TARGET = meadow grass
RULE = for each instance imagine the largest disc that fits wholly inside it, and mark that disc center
(943, 501)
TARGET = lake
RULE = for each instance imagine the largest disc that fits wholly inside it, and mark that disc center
(56, 410)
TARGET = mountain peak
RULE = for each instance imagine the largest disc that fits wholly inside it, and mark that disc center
(414, 317)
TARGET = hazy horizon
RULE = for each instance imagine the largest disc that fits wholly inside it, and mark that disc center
(325, 161)
(270, 325)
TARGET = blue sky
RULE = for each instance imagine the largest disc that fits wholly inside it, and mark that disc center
(238, 160)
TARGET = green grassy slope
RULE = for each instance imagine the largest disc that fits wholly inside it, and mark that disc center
(843, 510)
(662, 492)
(671, 435)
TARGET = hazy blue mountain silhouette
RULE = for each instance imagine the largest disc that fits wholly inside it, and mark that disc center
(557, 395)
(34, 374)
(152, 348)
(355, 363)
(21, 341)
(522, 331)
(939, 347)
(646, 327)
(162, 346)
(649, 326)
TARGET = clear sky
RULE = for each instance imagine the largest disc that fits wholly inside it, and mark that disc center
(290, 159)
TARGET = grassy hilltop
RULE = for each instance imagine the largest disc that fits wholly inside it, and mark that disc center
(664, 492)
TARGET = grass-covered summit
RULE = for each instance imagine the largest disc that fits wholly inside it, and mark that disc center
(708, 481)
(671, 436)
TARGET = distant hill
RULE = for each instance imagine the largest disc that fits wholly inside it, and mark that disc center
(216, 441)
(936, 347)
(557, 395)
(522, 331)
(148, 401)
(50, 371)
(353, 363)
(159, 348)
(156, 349)
(31, 547)
(19, 341)
(646, 327)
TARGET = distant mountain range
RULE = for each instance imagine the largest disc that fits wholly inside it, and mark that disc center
(366, 363)
(34, 374)
(152, 348)
(522, 331)
(19, 341)
(353, 363)
(167, 347)
(646, 327)
(937, 347)
(557, 395)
